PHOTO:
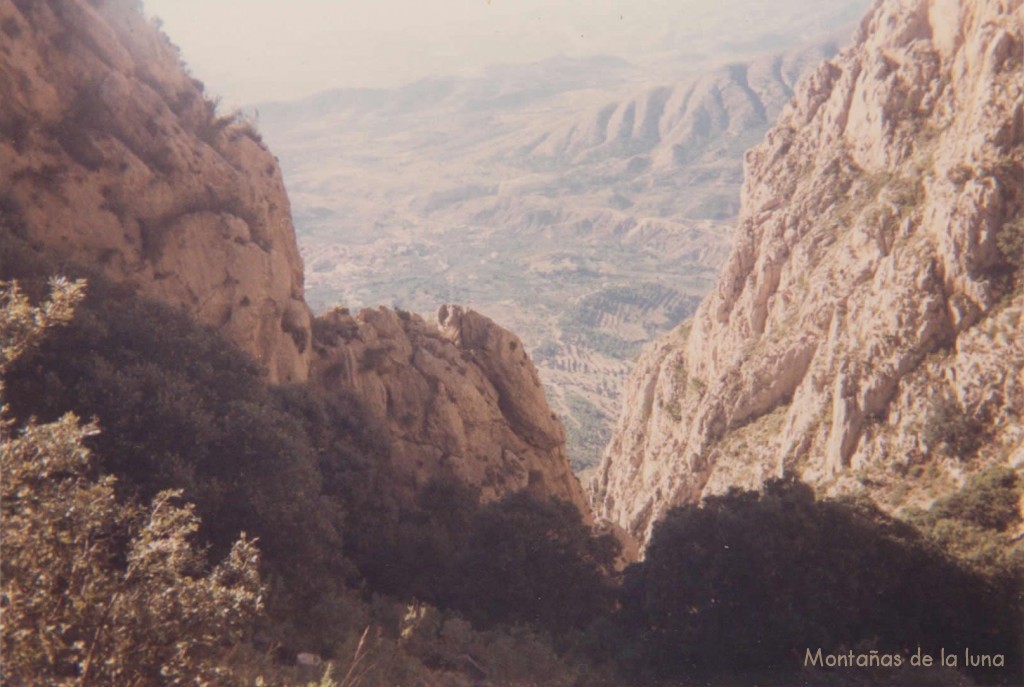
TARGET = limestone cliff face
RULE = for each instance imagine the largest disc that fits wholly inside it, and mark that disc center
(459, 399)
(866, 332)
(110, 155)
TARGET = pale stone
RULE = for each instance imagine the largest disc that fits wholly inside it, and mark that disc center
(459, 399)
(110, 156)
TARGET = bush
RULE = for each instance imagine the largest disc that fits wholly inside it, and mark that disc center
(519, 560)
(988, 500)
(409, 551)
(950, 425)
(977, 524)
(96, 591)
(1010, 242)
(183, 409)
(534, 562)
(373, 357)
(748, 581)
(21, 325)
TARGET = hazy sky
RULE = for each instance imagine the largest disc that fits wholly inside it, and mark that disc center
(257, 50)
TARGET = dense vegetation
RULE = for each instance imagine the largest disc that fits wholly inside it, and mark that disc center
(748, 581)
(179, 408)
(514, 561)
(979, 523)
(517, 590)
(97, 591)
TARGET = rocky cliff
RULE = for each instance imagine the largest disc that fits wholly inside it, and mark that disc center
(866, 332)
(111, 157)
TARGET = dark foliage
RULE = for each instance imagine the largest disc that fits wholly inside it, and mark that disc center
(748, 581)
(1010, 242)
(180, 408)
(531, 561)
(989, 500)
(979, 524)
(951, 426)
(516, 561)
(740, 585)
(409, 551)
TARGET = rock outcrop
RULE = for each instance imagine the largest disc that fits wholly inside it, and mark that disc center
(866, 332)
(460, 399)
(111, 156)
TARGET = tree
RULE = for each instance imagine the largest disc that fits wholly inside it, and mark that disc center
(749, 580)
(531, 561)
(95, 591)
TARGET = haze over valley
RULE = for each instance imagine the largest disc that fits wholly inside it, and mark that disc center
(585, 203)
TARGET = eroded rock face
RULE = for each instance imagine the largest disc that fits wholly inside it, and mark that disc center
(458, 399)
(111, 156)
(873, 301)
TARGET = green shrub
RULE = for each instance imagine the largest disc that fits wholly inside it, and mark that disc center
(517, 560)
(977, 523)
(531, 561)
(181, 408)
(372, 358)
(95, 590)
(1010, 242)
(408, 550)
(988, 500)
(949, 425)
